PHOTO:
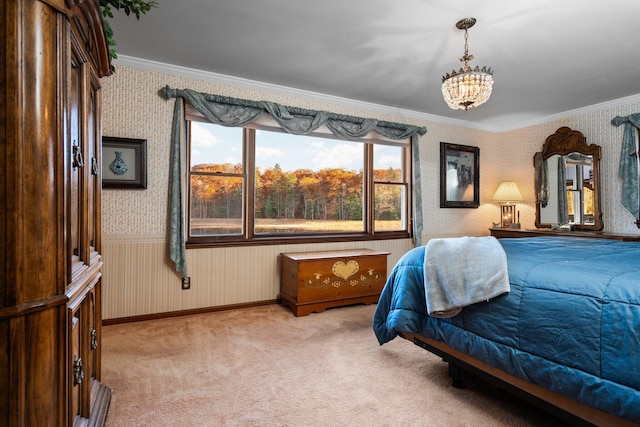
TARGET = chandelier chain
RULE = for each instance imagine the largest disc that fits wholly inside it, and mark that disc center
(466, 58)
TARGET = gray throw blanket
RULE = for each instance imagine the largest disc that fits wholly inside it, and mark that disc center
(462, 271)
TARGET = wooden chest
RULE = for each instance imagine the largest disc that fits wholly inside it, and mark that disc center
(314, 281)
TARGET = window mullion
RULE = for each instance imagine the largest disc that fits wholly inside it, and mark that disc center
(248, 144)
(368, 190)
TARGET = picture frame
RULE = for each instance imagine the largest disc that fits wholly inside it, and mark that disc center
(124, 163)
(459, 176)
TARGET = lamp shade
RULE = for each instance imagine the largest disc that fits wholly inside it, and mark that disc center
(507, 192)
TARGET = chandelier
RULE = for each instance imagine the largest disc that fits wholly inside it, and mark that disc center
(468, 87)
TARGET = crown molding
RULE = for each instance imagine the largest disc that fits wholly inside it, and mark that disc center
(178, 70)
(632, 99)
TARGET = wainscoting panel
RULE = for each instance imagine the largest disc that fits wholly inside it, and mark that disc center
(140, 280)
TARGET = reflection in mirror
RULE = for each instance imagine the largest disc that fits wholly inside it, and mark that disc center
(459, 176)
(571, 186)
(567, 186)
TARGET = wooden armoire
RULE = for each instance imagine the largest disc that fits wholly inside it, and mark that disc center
(55, 53)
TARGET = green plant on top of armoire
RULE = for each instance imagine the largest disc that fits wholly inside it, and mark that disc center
(137, 7)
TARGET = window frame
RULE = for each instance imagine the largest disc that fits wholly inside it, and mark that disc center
(248, 237)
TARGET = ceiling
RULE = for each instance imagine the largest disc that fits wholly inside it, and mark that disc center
(549, 56)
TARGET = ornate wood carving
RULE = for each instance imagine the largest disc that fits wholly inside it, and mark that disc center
(566, 141)
(563, 142)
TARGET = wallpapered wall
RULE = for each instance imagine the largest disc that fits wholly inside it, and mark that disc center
(138, 278)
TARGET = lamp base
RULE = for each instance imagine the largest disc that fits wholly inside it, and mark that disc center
(508, 216)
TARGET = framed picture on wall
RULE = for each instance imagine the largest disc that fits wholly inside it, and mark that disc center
(459, 176)
(124, 162)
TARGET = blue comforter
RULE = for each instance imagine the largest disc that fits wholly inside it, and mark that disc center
(571, 322)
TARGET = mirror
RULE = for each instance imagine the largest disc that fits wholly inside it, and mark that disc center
(567, 182)
(459, 176)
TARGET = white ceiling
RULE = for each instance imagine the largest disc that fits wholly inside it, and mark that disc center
(549, 56)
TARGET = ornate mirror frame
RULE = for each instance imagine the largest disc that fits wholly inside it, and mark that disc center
(563, 142)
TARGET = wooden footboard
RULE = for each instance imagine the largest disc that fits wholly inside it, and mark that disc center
(560, 406)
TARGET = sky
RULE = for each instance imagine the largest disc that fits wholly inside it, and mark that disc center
(219, 144)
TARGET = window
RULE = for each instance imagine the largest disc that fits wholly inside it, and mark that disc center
(580, 190)
(262, 184)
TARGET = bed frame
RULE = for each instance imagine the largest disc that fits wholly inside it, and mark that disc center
(556, 404)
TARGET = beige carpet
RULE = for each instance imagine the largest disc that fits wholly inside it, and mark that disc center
(264, 367)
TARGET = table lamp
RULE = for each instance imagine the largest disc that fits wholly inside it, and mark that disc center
(507, 194)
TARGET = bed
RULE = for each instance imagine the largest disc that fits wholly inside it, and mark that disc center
(566, 336)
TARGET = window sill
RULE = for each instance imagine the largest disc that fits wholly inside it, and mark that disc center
(284, 240)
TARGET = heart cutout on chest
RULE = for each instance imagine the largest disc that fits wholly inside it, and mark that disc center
(347, 270)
